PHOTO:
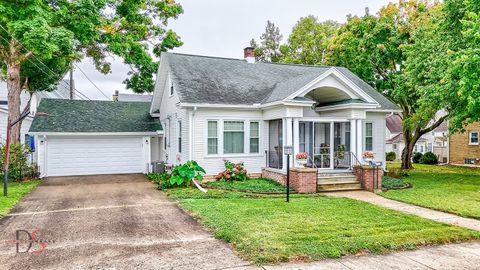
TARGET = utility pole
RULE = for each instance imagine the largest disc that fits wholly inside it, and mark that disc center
(72, 86)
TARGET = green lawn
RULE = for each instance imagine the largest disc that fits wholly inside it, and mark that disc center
(265, 229)
(446, 188)
(253, 184)
(16, 191)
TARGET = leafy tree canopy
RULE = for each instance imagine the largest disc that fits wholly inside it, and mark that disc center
(39, 40)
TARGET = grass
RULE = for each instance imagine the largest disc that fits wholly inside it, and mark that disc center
(264, 229)
(253, 184)
(446, 188)
(16, 191)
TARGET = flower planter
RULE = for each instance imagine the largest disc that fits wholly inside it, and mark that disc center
(301, 162)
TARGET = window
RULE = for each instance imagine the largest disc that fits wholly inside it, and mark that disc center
(233, 137)
(179, 135)
(368, 137)
(170, 86)
(254, 137)
(212, 137)
(395, 146)
(473, 138)
(469, 161)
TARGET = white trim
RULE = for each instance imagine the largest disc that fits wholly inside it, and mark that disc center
(157, 82)
(346, 106)
(332, 71)
(470, 137)
(152, 133)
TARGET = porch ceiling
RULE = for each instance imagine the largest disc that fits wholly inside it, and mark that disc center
(325, 95)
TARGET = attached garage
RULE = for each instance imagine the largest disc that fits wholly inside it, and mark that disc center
(94, 155)
(77, 137)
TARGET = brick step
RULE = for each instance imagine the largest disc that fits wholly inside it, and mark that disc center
(337, 186)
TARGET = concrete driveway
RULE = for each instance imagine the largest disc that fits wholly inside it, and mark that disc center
(109, 221)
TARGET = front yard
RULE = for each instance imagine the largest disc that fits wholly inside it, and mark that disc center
(446, 188)
(265, 229)
(16, 191)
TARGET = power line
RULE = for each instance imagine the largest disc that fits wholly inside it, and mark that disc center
(40, 61)
(84, 74)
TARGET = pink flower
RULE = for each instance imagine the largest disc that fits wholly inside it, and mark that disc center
(227, 171)
(227, 176)
(245, 171)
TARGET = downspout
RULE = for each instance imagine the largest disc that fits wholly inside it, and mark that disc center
(190, 133)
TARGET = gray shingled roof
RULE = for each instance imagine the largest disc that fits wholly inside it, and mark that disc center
(203, 79)
(63, 115)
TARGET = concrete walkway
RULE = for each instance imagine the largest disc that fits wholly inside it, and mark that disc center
(439, 216)
(455, 256)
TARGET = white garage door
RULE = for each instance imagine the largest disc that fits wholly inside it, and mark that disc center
(94, 155)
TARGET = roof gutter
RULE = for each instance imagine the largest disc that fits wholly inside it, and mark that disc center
(148, 133)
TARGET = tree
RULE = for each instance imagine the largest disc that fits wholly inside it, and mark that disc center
(39, 40)
(401, 52)
(269, 49)
(308, 42)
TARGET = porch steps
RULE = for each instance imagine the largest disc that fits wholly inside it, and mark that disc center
(337, 182)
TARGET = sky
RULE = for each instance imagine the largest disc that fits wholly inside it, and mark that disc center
(223, 28)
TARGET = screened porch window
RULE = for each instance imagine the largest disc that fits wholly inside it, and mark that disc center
(233, 137)
(254, 137)
(212, 137)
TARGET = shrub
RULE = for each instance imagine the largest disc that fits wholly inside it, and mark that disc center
(233, 172)
(416, 157)
(162, 179)
(18, 166)
(396, 173)
(429, 158)
(391, 156)
(183, 174)
(390, 182)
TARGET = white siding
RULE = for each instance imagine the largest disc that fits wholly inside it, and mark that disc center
(213, 164)
(379, 126)
(170, 114)
(3, 127)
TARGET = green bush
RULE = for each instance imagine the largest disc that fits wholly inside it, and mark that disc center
(183, 174)
(390, 182)
(429, 158)
(391, 156)
(416, 157)
(397, 173)
(162, 179)
(18, 165)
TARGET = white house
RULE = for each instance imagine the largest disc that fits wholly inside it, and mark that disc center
(209, 109)
(435, 141)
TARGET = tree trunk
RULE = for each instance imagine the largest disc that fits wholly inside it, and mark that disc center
(14, 91)
(407, 154)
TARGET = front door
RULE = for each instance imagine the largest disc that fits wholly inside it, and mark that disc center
(315, 140)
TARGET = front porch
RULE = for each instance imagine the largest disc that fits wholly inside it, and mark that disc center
(334, 148)
(332, 145)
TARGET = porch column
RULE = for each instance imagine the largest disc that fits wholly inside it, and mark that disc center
(353, 138)
(287, 139)
(359, 139)
(296, 138)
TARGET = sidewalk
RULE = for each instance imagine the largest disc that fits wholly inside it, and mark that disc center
(454, 256)
(435, 215)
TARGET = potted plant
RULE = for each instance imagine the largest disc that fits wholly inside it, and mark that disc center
(301, 158)
(368, 156)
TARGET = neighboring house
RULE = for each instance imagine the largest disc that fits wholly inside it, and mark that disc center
(435, 141)
(210, 109)
(62, 92)
(131, 97)
(464, 147)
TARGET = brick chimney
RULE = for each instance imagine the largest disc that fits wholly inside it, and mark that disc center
(115, 96)
(249, 54)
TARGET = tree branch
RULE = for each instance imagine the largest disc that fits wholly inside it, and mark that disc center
(435, 125)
